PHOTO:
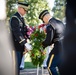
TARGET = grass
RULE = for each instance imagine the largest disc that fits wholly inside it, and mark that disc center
(29, 65)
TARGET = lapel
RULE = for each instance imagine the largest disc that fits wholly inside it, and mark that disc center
(19, 16)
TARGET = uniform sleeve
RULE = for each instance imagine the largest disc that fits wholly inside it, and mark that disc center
(16, 31)
(49, 36)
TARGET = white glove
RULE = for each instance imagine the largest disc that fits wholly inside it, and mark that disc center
(28, 46)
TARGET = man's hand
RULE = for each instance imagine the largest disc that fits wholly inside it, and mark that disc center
(43, 52)
(28, 46)
(25, 51)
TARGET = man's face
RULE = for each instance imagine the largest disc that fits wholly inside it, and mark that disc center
(46, 18)
(22, 11)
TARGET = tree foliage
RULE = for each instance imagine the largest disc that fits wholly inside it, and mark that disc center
(59, 9)
(10, 7)
(36, 6)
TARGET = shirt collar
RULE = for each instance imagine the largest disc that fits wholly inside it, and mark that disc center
(49, 19)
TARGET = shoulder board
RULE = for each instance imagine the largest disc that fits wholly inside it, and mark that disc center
(16, 17)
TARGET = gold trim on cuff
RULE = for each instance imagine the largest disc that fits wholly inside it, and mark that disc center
(21, 41)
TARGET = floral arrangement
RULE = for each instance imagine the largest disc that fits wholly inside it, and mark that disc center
(36, 54)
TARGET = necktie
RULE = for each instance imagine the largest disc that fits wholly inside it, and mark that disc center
(22, 20)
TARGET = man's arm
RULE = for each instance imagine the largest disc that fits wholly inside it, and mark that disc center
(18, 35)
(49, 36)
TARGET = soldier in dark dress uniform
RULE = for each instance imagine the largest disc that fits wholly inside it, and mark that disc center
(54, 36)
(19, 32)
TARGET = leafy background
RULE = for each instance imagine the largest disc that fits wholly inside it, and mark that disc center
(36, 6)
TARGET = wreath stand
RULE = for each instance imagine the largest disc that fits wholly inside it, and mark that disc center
(38, 69)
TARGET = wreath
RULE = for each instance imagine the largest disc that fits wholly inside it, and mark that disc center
(36, 54)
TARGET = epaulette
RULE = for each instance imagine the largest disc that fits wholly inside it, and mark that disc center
(18, 20)
(16, 17)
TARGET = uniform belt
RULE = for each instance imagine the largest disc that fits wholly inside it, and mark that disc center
(58, 39)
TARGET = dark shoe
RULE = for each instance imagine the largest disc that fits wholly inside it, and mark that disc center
(44, 67)
(21, 68)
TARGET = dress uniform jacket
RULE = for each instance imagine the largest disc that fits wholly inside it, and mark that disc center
(19, 31)
(54, 30)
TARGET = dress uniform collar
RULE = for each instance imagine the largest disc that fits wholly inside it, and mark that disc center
(49, 19)
(20, 15)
